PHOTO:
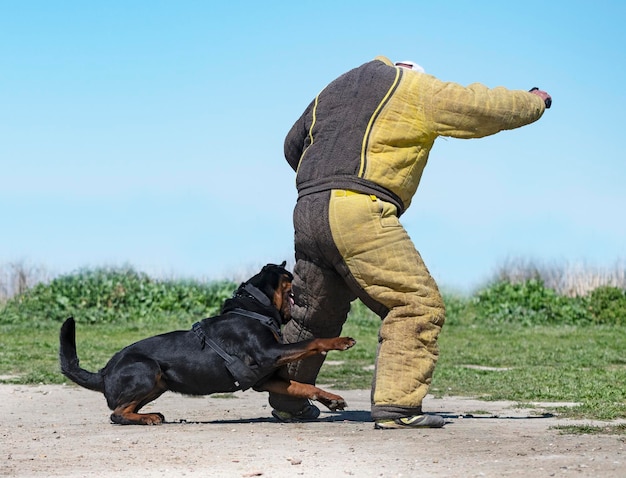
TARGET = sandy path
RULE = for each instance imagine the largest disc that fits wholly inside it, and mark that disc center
(65, 431)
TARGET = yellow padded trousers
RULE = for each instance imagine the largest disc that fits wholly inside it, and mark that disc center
(382, 258)
(351, 245)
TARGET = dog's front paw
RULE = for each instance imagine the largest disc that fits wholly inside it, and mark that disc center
(344, 343)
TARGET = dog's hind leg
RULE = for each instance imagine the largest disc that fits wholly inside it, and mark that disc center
(125, 410)
(127, 415)
(304, 390)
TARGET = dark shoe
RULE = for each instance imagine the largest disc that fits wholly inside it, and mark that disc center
(307, 414)
(416, 421)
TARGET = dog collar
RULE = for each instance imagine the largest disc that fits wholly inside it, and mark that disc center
(257, 294)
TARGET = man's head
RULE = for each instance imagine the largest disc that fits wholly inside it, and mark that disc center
(410, 65)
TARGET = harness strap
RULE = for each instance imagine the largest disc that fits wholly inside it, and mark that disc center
(197, 329)
(244, 376)
(222, 353)
(205, 340)
(264, 319)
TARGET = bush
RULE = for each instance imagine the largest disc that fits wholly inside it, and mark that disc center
(607, 305)
(457, 308)
(528, 303)
(568, 279)
(114, 295)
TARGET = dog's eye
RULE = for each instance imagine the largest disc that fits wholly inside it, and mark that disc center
(291, 295)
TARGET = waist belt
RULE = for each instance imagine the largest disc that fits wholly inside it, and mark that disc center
(350, 183)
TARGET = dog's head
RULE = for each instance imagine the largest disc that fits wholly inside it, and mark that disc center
(274, 281)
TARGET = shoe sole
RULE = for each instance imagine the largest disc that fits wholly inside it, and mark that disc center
(297, 418)
(425, 422)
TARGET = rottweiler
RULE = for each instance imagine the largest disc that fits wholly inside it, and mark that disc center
(238, 349)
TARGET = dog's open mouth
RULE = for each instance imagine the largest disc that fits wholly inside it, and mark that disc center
(288, 303)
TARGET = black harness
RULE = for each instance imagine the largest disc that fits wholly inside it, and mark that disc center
(245, 376)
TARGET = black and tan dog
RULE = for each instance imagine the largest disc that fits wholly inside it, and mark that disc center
(236, 350)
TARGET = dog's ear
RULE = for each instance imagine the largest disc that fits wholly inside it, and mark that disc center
(270, 277)
(278, 270)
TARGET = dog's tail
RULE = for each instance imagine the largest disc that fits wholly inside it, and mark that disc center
(69, 360)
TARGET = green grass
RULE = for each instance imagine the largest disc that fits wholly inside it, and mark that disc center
(592, 430)
(582, 364)
(353, 369)
(29, 354)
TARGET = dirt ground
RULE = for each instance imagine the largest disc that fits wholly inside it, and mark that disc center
(65, 431)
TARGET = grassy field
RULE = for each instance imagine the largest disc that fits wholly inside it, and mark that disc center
(579, 364)
(522, 342)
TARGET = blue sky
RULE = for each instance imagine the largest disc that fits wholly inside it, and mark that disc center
(151, 133)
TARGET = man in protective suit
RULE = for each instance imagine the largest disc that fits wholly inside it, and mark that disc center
(359, 150)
